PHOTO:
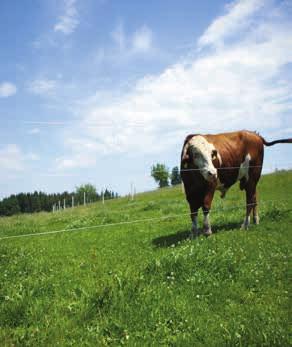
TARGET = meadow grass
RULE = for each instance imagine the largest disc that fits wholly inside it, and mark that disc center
(147, 284)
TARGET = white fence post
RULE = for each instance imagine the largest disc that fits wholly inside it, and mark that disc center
(132, 191)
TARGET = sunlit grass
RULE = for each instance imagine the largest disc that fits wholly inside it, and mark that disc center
(146, 283)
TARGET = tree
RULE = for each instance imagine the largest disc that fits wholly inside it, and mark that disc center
(160, 174)
(9, 206)
(90, 192)
(35, 202)
(175, 176)
(40, 201)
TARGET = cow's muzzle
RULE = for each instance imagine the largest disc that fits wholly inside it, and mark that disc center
(212, 176)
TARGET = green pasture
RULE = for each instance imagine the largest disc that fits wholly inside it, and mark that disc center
(146, 283)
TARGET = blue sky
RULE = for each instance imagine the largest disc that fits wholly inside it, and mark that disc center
(99, 90)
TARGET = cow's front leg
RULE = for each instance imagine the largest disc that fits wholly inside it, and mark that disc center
(246, 222)
(206, 210)
(206, 224)
(195, 230)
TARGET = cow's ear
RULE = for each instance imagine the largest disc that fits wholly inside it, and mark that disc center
(214, 154)
(185, 155)
(185, 160)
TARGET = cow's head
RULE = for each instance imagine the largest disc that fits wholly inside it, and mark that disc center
(202, 154)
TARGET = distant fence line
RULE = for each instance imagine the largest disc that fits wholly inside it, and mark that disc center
(70, 202)
(144, 220)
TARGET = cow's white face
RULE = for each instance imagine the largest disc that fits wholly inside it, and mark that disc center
(202, 154)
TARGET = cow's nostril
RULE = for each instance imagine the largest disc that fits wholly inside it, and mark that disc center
(210, 173)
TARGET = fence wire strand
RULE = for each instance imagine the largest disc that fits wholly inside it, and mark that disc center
(144, 220)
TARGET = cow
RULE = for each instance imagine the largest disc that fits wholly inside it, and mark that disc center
(216, 162)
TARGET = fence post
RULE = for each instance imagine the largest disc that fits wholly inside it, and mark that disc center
(133, 191)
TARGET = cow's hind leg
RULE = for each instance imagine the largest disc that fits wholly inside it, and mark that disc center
(251, 202)
(256, 218)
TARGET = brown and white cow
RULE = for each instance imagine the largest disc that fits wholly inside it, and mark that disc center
(216, 162)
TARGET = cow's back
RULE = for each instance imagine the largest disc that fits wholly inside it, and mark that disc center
(233, 149)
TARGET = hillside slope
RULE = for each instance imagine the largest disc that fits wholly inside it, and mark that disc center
(145, 283)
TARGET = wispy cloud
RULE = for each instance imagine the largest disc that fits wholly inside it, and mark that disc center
(11, 158)
(42, 86)
(142, 40)
(235, 85)
(34, 131)
(14, 159)
(68, 21)
(237, 17)
(31, 157)
(7, 89)
(119, 37)
(125, 47)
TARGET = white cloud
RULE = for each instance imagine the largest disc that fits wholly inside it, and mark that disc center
(119, 37)
(11, 158)
(237, 17)
(14, 161)
(7, 89)
(142, 40)
(42, 86)
(237, 85)
(34, 131)
(68, 22)
(124, 47)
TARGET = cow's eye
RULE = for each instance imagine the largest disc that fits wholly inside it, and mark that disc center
(214, 154)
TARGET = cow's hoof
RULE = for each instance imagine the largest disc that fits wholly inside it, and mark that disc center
(256, 221)
(244, 226)
(194, 234)
(208, 232)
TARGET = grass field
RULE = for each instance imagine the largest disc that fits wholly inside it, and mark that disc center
(146, 284)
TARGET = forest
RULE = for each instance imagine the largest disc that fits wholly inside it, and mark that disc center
(41, 201)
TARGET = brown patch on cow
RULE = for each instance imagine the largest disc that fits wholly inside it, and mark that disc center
(233, 148)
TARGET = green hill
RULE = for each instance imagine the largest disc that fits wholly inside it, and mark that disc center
(145, 283)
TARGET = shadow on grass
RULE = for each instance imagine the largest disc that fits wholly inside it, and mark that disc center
(181, 235)
(228, 226)
(172, 239)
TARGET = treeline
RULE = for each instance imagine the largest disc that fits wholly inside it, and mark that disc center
(40, 201)
(163, 177)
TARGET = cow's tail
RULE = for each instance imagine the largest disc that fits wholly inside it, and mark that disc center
(267, 143)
